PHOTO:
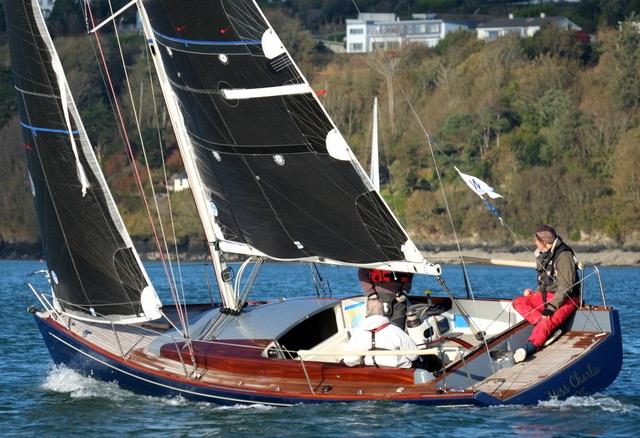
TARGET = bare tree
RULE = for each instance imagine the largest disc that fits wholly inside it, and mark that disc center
(387, 65)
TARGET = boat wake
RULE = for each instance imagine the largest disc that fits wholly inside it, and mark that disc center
(256, 406)
(67, 381)
(64, 380)
(608, 404)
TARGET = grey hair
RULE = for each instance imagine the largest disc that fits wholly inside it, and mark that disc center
(375, 307)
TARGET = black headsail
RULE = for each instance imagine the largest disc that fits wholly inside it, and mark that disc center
(277, 176)
(94, 268)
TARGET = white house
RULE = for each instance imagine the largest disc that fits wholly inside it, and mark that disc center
(46, 6)
(180, 183)
(521, 26)
(382, 31)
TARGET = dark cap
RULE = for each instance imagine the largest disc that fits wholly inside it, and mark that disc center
(546, 234)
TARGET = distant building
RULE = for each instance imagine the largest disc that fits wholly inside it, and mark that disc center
(521, 26)
(381, 31)
(537, 2)
(46, 6)
(180, 183)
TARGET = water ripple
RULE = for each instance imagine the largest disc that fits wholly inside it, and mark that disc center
(36, 396)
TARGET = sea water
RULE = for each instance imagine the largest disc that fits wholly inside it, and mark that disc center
(38, 398)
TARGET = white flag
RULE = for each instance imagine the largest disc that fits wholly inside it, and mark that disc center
(478, 186)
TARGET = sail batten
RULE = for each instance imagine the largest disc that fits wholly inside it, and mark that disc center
(375, 166)
(255, 93)
(94, 269)
(277, 175)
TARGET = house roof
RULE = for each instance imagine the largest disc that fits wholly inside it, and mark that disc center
(520, 22)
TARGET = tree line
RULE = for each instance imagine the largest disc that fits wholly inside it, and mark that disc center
(550, 121)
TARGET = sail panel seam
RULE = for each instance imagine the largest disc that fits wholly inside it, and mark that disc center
(33, 93)
(207, 42)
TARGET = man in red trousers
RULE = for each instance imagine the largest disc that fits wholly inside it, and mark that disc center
(558, 292)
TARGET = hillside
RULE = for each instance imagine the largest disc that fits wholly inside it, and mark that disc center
(550, 121)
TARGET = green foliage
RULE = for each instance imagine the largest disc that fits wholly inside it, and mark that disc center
(456, 46)
(66, 18)
(3, 23)
(626, 52)
(295, 38)
(511, 112)
(462, 132)
(8, 105)
(17, 217)
(100, 125)
(548, 124)
(527, 146)
(550, 40)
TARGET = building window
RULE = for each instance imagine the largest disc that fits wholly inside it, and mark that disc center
(377, 46)
(514, 31)
(433, 28)
(356, 47)
(356, 31)
(493, 34)
(416, 29)
(391, 28)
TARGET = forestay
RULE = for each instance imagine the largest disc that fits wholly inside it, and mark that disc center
(94, 269)
(273, 174)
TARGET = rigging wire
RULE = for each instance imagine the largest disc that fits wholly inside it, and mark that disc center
(166, 184)
(322, 286)
(127, 141)
(444, 195)
(170, 273)
(433, 145)
(356, 5)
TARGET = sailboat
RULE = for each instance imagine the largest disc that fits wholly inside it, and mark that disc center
(273, 179)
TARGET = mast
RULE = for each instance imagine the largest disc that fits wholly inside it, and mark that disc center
(375, 166)
(205, 209)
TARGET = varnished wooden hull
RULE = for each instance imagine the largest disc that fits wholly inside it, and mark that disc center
(228, 374)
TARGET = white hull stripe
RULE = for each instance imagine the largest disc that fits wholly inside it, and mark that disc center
(199, 394)
(255, 93)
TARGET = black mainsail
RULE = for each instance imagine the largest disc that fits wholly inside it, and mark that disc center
(94, 269)
(271, 172)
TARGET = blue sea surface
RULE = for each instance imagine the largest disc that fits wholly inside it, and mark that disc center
(38, 398)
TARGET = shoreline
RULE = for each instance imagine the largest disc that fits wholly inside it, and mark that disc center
(446, 254)
(597, 256)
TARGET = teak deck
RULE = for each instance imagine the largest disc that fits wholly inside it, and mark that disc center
(509, 381)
